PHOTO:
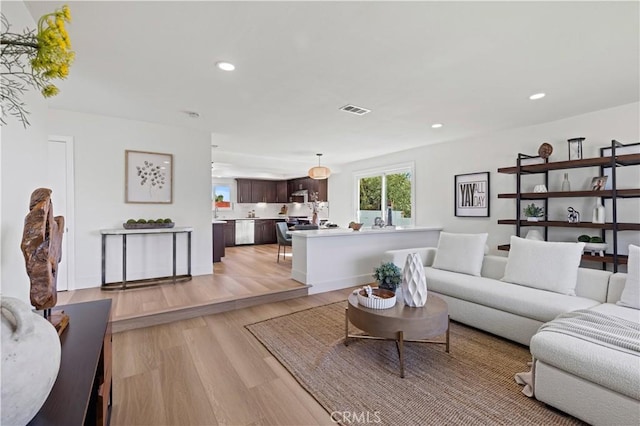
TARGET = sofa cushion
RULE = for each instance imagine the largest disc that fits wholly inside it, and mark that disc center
(544, 265)
(630, 314)
(631, 294)
(610, 368)
(516, 299)
(460, 252)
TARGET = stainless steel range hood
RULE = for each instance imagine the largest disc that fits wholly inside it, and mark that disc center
(301, 193)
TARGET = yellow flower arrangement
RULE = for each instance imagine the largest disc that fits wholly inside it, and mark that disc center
(34, 59)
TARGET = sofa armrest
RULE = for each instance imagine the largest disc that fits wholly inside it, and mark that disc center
(399, 257)
(616, 285)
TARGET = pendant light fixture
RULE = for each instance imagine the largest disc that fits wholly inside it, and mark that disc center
(319, 172)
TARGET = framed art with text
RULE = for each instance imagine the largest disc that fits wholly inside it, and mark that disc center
(148, 177)
(472, 195)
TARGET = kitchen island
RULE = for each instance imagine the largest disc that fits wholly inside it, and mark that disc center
(331, 259)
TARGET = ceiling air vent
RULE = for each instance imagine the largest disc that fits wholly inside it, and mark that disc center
(355, 109)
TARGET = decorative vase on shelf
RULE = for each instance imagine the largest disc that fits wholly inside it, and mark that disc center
(314, 218)
(30, 361)
(414, 281)
(566, 185)
(598, 212)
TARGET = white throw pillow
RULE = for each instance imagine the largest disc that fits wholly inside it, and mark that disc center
(460, 253)
(630, 296)
(545, 265)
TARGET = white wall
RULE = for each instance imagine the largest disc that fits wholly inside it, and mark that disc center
(436, 166)
(99, 159)
(23, 155)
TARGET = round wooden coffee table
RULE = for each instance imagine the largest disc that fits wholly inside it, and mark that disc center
(400, 323)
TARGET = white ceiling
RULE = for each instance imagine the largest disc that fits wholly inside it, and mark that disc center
(468, 65)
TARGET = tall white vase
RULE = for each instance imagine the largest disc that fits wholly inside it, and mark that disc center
(414, 282)
(30, 361)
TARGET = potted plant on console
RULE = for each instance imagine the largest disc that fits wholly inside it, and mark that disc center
(388, 276)
(533, 213)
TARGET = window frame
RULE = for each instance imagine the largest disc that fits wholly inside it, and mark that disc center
(384, 171)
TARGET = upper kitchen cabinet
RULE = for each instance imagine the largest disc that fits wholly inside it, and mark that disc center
(257, 191)
(244, 190)
(263, 191)
(282, 193)
(310, 185)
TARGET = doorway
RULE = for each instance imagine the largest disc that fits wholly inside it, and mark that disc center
(60, 180)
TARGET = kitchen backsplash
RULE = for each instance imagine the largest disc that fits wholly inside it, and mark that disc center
(270, 210)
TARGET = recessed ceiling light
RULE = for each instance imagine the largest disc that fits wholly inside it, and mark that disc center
(226, 66)
(537, 96)
(436, 125)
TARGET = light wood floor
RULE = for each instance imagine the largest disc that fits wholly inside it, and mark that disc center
(247, 275)
(210, 370)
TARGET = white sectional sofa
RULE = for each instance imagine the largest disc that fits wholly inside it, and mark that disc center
(590, 380)
(593, 382)
(509, 310)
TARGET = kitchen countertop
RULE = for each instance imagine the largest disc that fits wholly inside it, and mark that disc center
(218, 221)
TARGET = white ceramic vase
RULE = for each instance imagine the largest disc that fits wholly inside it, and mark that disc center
(30, 361)
(414, 282)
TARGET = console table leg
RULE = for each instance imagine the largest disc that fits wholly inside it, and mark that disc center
(124, 261)
(104, 259)
(189, 253)
(174, 257)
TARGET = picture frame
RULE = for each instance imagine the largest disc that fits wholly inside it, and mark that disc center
(598, 183)
(471, 195)
(148, 177)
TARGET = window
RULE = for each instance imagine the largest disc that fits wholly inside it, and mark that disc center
(377, 190)
(221, 197)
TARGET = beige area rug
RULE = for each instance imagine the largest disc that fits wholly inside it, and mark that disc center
(472, 385)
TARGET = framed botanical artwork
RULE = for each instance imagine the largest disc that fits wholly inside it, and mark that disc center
(148, 177)
(472, 195)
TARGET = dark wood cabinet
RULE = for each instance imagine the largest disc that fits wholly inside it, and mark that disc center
(81, 393)
(244, 190)
(311, 185)
(218, 230)
(265, 231)
(258, 191)
(230, 233)
(282, 192)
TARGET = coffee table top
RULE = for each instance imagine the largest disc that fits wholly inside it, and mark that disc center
(425, 322)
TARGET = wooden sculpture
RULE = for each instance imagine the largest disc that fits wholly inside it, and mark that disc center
(42, 249)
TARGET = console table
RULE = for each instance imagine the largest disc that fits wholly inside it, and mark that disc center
(81, 393)
(124, 284)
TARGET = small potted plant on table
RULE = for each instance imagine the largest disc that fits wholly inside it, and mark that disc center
(388, 276)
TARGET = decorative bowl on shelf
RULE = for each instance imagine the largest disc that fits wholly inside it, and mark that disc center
(148, 225)
(380, 299)
(595, 248)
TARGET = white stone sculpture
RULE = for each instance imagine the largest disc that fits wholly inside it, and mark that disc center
(414, 281)
(30, 361)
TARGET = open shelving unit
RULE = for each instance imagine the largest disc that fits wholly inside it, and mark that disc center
(612, 160)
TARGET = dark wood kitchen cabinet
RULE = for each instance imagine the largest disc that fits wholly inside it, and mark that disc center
(218, 241)
(265, 231)
(230, 233)
(311, 185)
(263, 191)
(282, 192)
(244, 190)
